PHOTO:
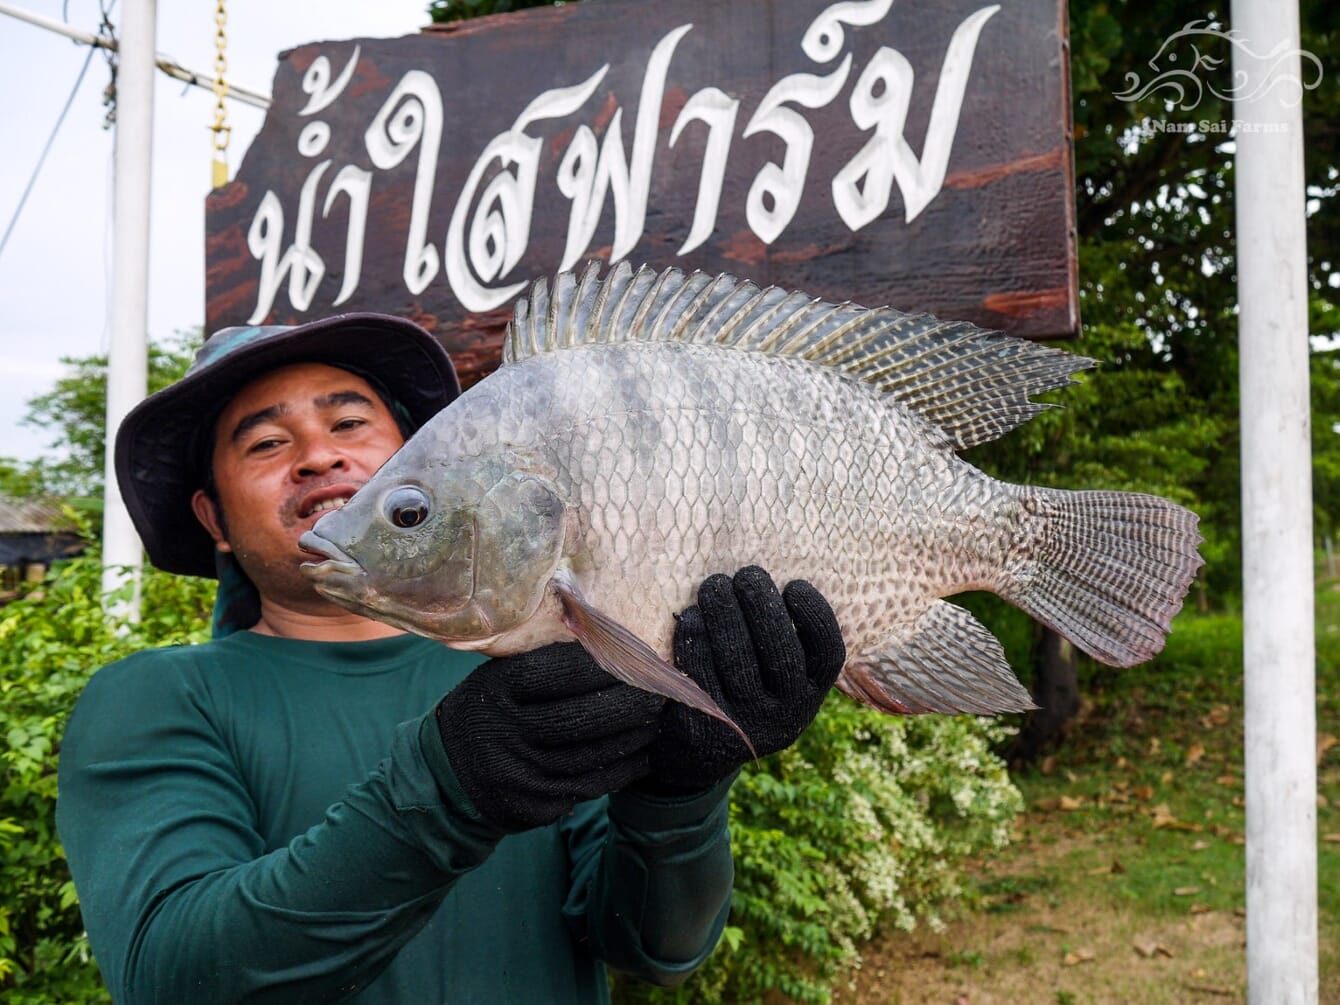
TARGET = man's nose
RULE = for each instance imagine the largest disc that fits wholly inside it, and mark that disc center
(319, 456)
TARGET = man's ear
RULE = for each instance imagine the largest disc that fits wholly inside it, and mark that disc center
(208, 515)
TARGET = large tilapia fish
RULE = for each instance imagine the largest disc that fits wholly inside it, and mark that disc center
(647, 430)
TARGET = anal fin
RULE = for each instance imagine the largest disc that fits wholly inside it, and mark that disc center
(947, 662)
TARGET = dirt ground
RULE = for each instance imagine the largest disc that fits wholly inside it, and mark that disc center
(1062, 945)
(1060, 956)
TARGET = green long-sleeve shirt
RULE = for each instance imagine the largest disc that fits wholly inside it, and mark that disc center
(262, 819)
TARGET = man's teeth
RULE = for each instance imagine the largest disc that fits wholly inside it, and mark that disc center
(321, 507)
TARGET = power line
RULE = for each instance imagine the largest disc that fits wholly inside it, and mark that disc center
(37, 170)
(169, 66)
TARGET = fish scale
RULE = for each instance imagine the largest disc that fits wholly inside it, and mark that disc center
(649, 429)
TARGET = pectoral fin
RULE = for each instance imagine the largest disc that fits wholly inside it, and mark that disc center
(946, 662)
(626, 657)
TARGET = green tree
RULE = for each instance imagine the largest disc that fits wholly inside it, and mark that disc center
(75, 410)
(50, 641)
(445, 11)
(1158, 291)
(21, 479)
(1156, 228)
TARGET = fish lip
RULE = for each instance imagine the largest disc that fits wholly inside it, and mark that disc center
(341, 490)
(333, 560)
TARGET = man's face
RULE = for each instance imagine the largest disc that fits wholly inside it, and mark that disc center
(291, 445)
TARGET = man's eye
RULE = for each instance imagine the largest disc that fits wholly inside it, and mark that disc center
(350, 423)
(261, 446)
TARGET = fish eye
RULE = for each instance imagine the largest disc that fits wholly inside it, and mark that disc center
(407, 506)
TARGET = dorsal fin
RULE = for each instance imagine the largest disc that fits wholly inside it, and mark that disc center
(973, 384)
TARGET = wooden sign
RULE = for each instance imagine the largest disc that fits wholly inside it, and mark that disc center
(914, 154)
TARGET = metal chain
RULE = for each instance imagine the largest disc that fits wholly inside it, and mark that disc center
(222, 131)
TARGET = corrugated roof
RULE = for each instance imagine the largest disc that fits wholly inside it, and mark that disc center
(31, 516)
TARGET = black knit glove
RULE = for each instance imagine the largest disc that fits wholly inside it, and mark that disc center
(530, 735)
(767, 659)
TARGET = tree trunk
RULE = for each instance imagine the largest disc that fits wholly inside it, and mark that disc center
(1056, 692)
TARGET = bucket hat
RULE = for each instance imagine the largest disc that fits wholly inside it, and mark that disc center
(161, 444)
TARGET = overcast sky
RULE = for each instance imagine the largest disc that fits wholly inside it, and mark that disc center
(55, 270)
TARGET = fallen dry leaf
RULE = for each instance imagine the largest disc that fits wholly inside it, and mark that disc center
(1149, 948)
(1324, 743)
(1115, 869)
(1217, 716)
(1200, 845)
(1228, 780)
(1164, 820)
(1144, 793)
(1195, 752)
(1227, 833)
(1166, 778)
(1078, 956)
(1331, 838)
(1201, 908)
(1186, 891)
(1210, 989)
(1070, 803)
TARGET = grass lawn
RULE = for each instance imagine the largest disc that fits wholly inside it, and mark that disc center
(1126, 881)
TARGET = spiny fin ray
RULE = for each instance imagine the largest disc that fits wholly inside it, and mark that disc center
(972, 384)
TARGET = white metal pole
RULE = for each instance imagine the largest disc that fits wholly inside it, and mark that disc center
(127, 355)
(1278, 631)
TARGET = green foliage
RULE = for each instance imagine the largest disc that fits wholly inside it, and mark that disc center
(76, 411)
(444, 11)
(866, 821)
(21, 480)
(50, 641)
(1158, 289)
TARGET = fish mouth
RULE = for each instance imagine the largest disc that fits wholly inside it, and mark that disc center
(334, 562)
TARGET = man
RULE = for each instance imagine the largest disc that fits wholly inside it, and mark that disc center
(314, 806)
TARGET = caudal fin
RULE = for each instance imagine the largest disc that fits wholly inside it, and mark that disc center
(1107, 570)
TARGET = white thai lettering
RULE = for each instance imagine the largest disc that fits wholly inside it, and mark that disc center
(490, 226)
(412, 116)
(500, 218)
(880, 100)
(586, 180)
(316, 83)
(716, 108)
(303, 266)
(356, 183)
(775, 195)
(824, 38)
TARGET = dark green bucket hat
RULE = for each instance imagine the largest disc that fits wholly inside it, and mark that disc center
(159, 449)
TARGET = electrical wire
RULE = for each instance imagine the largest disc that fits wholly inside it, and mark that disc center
(37, 170)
